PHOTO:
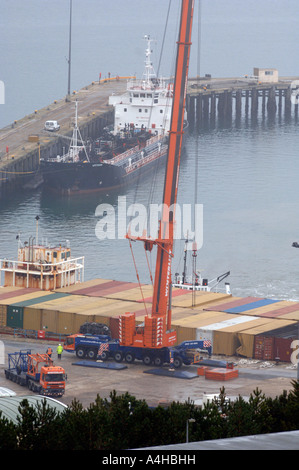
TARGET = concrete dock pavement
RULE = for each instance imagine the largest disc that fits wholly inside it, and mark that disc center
(84, 383)
(92, 99)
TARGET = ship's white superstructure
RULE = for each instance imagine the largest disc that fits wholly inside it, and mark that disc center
(147, 102)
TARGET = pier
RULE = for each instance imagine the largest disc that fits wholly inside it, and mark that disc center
(209, 100)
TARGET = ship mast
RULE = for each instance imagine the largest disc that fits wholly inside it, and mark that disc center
(161, 305)
(149, 72)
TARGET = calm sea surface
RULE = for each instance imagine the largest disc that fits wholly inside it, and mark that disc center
(247, 175)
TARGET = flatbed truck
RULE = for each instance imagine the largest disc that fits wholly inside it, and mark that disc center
(187, 353)
(23, 369)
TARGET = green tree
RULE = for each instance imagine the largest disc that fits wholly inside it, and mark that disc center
(37, 426)
(8, 435)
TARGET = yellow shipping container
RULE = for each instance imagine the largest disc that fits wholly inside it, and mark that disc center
(267, 309)
(200, 299)
(32, 318)
(185, 333)
(3, 315)
(246, 337)
(23, 298)
(82, 285)
(49, 320)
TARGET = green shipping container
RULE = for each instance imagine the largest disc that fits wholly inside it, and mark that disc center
(15, 315)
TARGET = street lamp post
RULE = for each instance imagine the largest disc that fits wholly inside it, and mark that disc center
(296, 245)
(69, 59)
(190, 420)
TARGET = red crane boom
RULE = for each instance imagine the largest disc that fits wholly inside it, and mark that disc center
(157, 327)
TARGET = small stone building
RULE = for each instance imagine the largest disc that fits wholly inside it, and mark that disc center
(266, 75)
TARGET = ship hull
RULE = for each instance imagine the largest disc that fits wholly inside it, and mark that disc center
(86, 177)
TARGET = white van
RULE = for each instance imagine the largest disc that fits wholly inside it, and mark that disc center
(52, 126)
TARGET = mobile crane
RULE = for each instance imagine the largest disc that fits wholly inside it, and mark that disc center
(156, 340)
(23, 369)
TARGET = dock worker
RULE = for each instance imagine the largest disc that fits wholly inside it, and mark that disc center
(59, 351)
(49, 352)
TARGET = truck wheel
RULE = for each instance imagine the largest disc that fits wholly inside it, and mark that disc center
(80, 353)
(129, 358)
(118, 356)
(177, 363)
(147, 360)
(92, 354)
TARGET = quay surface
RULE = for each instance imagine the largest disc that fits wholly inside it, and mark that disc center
(25, 141)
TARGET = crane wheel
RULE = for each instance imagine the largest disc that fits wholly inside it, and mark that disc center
(177, 363)
(147, 360)
(158, 361)
(118, 356)
(129, 358)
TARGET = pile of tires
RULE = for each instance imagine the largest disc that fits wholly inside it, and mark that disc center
(94, 328)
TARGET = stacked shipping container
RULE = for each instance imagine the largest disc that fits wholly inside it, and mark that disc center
(234, 325)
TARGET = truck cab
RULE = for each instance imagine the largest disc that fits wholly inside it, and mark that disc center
(52, 126)
(69, 343)
(52, 379)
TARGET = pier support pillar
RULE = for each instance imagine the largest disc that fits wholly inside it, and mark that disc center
(238, 104)
(213, 109)
(271, 105)
(199, 116)
(288, 103)
(254, 103)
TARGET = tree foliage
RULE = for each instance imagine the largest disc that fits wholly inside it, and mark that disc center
(123, 422)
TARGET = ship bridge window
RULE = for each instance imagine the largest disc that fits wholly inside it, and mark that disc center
(125, 110)
(149, 95)
(135, 95)
(161, 111)
(140, 110)
(142, 95)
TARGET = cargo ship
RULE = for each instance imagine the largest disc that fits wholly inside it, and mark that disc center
(134, 144)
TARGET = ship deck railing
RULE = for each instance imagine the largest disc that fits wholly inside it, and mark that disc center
(63, 269)
(120, 160)
(147, 159)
